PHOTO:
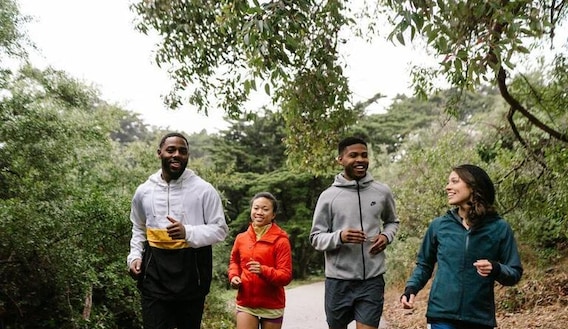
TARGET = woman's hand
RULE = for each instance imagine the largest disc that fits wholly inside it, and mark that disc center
(236, 282)
(484, 267)
(254, 267)
(407, 302)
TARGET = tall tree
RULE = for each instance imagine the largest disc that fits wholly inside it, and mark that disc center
(252, 144)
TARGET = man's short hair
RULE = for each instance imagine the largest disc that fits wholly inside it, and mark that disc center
(348, 141)
(172, 134)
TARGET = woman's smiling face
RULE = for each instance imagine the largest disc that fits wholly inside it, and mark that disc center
(459, 193)
(262, 212)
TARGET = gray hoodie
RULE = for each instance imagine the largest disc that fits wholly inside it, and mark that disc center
(365, 204)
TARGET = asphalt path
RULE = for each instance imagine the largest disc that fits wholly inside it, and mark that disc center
(304, 308)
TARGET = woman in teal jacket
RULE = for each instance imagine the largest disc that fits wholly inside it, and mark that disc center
(473, 247)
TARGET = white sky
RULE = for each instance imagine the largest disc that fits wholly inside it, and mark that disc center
(94, 40)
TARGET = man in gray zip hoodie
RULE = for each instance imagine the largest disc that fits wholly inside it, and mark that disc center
(354, 221)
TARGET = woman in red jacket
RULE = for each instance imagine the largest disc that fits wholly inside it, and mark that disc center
(260, 267)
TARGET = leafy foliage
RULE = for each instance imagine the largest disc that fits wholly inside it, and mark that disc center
(480, 42)
(206, 40)
(253, 144)
(475, 36)
(232, 49)
(388, 132)
(12, 39)
(64, 210)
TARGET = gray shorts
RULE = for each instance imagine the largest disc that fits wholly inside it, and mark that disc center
(359, 300)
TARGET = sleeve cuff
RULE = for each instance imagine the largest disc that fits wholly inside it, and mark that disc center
(496, 269)
(188, 233)
(409, 291)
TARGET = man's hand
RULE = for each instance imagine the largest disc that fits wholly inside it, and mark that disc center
(135, 268)
(380, 242)
(176, 230)
(353, 236)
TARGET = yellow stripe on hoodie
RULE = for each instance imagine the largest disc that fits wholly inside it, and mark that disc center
(159, 238)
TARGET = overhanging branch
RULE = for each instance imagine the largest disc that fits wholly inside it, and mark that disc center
(516, 106)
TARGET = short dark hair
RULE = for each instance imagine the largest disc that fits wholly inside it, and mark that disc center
(269, 196)
(172, 134)
(348, 141)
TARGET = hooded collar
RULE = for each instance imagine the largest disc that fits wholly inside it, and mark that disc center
(157, 178)
(341, 181)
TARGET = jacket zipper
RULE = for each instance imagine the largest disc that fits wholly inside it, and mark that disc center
(466, 247)
(362, 229)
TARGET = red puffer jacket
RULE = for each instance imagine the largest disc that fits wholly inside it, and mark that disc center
(274, 254)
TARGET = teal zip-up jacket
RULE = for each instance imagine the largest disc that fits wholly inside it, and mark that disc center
(458, 292)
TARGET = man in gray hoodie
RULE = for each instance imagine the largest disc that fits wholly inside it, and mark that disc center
(354, 221)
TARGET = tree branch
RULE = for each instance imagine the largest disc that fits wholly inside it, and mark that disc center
(520, 138)
(516, 106)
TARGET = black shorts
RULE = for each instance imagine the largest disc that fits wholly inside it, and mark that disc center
(167, 314)
(359, 300)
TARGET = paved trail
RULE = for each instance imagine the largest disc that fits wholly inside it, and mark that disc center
(304, 308)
